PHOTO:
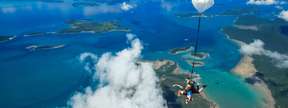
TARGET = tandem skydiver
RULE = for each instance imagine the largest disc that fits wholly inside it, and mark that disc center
(190, 88)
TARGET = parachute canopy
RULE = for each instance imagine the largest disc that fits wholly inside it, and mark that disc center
(202, 5)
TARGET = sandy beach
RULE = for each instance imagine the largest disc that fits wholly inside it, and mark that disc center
(246, 69)
(268, 100)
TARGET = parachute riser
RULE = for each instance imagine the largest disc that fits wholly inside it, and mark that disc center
(196, 44)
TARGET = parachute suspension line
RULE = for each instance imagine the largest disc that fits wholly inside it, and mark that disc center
(197, 37)
(196, 42)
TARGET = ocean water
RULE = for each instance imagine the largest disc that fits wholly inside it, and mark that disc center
(48, 78)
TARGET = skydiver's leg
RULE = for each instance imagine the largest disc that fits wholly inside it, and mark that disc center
(188, 97)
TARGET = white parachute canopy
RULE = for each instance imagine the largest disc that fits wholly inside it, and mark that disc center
(202, 5)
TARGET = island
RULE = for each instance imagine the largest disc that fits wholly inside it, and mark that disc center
(180, 50)
(248, 72)
(168, 73)
(273, 80)
(200, 55)
(195, 63)
(44, 47)
(87, 26)
(6, 38)
(175, 51)
(84, 26)
(34, 34)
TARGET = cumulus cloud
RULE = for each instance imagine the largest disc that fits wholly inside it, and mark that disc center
(126, 6)
(124, 82)
(101, 8)
(247, 27)
(167, 5)
(254, 48)
(108, 8)
(257, 48)
(283, 15)
(6, 10)
(89, 59)
(281, 60)
(130, 36)
(261, 2)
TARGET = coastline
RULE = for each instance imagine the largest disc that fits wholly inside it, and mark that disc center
(212, 103)
(246, 69)
(169, 72)
(6, 38)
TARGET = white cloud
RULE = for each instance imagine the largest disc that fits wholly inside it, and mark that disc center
(247, 27)
(261, 2)
(283, 15)
(6, 10)
(284, 64)
(89, 60)
(123, 82)
(167, 5)
(254, 48)
(257, 48)
(130, 36)
(108, 8)
(281, 60)
(101, 8)
(126, 6)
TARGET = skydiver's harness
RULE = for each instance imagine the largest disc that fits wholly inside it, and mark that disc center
(190, 88)
(194, 87)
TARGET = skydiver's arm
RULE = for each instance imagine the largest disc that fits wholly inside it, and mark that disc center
(179, 86)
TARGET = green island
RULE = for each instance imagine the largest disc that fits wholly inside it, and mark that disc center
(5, 38)
(34, 34)
(44, 47)
(195, 63)
(85, 26)
(200, 55)
(168, 73)
(271, 33)
(79, 26)
(175, 51)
